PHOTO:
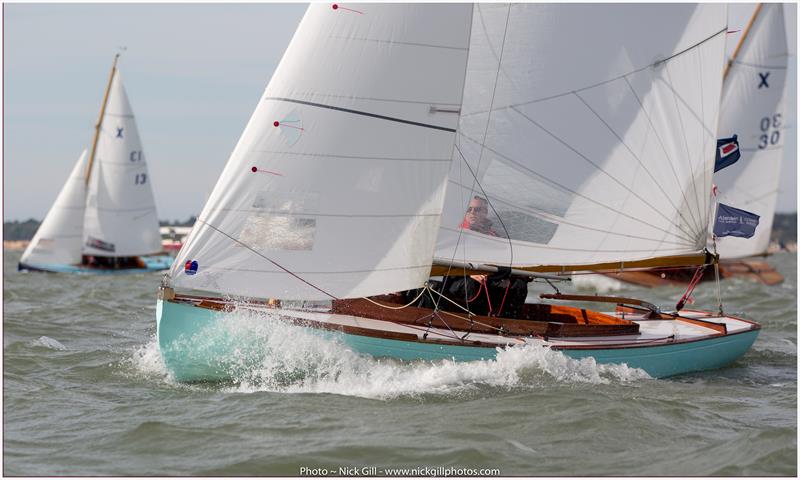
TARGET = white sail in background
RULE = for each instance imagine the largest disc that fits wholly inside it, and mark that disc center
(591, 129)
(754, 108)
(60, 236)
(336, 185)
(120, 210)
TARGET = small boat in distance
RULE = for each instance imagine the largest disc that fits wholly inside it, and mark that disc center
(104, 219)
(486, 144)
(172, 237)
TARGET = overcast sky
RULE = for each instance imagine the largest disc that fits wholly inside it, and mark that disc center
(193, 73)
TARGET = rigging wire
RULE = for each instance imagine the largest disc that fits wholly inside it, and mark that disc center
(663, 148)
(689, 241)
(549, 217)
(644, 167)
(596, 166)
(601, 83)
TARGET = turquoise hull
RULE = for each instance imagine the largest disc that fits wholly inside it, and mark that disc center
(152, 264)
(184, 333)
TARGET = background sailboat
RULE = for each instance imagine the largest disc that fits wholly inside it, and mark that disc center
(104, 220)
(754, 108)
(605, 148)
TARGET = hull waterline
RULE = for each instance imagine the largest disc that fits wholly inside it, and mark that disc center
(195, 347)
(152, 264)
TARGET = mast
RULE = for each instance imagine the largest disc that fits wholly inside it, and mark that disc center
(99, 123)
(741, 41)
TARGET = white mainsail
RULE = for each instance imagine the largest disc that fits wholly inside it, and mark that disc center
(121, 215)
(336, 186)
(754, 108)
(591, 130)
(59, 238)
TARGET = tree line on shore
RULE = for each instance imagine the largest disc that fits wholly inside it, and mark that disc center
(16, 230)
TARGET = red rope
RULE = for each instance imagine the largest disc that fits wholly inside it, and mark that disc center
(488, 300)
(480, 287)
(500, 310)
(695, 280)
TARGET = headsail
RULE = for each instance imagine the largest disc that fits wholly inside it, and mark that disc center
(58, 239)
(591, 129)
(121, 215)
(754, 107)
(335, 188)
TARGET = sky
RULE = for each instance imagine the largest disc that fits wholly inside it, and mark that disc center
(193, 73)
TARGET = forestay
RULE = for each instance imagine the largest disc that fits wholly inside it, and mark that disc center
(754, 107)
(58, 239)
(336, 186)
(121, 215)
(590, 129)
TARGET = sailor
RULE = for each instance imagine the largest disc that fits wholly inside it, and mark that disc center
(477, 217)
(498, 294)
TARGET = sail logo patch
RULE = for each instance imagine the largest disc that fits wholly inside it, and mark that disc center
(191, 267)
(98, 244)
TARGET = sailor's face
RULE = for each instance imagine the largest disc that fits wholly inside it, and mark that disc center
(476, 212)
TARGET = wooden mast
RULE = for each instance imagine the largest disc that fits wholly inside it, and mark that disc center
(741, 40)
(99, 123)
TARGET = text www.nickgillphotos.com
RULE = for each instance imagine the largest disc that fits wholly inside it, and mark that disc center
(399, 472)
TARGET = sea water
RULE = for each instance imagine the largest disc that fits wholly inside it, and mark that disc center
(86, 393)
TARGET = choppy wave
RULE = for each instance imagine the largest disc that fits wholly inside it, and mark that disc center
(48, 342)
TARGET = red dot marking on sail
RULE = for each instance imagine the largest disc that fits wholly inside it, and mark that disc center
(336, 6)
(254, 169)
(276, 123)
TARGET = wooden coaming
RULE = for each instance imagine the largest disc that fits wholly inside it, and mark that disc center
(537, 320)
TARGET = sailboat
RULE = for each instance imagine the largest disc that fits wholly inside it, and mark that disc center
(756, 76)
(104, 219)
(387, 129)
(753, 107)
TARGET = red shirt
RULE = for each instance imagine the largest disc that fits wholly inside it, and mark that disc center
(486, 231)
